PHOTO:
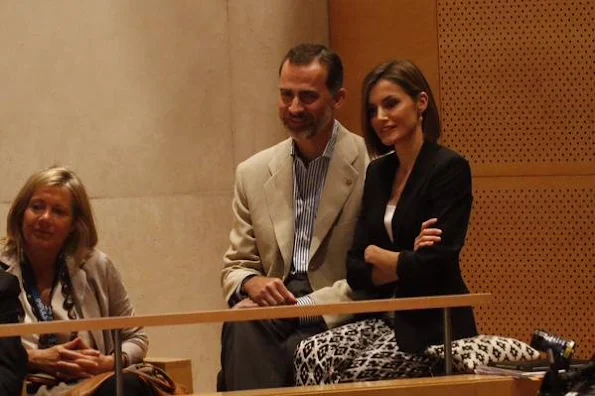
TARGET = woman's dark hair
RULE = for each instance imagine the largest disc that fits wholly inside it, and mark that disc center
(409, 77)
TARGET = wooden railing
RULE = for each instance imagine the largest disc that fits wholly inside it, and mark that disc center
(452, 385)
(239, 315)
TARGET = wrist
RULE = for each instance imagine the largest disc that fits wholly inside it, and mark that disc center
(243, 284)
(107, 363)
(110, 361)
(36, 361)
(390, 261)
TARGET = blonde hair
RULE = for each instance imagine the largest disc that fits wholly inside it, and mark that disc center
(81, 240)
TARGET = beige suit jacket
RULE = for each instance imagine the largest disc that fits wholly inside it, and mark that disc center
(262, 237)
(98, 292)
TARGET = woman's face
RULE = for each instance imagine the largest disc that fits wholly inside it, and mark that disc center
(48, 219)
(394, 115)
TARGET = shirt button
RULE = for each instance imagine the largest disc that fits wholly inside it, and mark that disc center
(349, 182)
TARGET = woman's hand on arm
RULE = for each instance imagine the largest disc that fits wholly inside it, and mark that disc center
(428, 236)
(385, 261)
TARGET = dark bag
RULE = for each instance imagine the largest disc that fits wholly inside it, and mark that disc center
(575, 382)
(159, 380)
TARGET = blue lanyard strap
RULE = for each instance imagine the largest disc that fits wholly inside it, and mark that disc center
(43, 312)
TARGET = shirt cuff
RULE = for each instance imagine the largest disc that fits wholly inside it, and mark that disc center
(304, 301)
(307, 320)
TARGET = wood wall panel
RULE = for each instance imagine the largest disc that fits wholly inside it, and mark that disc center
(531, 245)
(366, 33)
(517, 81)
(517, 92)
(517, 84)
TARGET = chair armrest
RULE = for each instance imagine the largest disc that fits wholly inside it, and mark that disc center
(180, 370)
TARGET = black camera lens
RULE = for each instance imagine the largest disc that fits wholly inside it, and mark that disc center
(560, 347)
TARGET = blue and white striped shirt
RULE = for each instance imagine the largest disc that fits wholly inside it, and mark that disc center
(308, 183)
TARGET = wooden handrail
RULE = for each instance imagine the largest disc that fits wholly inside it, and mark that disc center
(240, 315)
(464, 384)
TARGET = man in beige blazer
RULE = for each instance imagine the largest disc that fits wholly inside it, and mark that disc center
(295, 207)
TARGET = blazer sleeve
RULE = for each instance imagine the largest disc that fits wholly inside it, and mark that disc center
(135, 342)
(13, 358)
(450, 200)
(359, 273)
(242, 258)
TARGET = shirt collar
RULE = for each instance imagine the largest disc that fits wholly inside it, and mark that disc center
(330, 146)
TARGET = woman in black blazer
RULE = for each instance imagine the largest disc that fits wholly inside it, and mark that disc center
(412, 179)
(13, 358)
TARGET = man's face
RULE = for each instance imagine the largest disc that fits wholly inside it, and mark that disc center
(305, 104)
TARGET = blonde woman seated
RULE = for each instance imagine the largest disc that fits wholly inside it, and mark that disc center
(50, 248)
(412, 179)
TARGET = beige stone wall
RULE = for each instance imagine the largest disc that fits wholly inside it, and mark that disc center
(153, 103)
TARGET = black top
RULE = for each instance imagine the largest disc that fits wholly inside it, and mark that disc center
(13, 358)
(439, 186)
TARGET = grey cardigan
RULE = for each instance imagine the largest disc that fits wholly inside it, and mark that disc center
(98, 291)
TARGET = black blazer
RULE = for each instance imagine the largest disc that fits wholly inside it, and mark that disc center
(13, 358)
(439, 186)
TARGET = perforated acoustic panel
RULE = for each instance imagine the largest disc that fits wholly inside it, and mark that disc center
(532, 247)
(517, 87)
(517, 81)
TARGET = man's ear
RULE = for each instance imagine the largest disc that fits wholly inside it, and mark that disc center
(339, 98)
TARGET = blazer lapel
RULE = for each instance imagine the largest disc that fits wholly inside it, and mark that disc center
(278, 191)
(419, 174)
(86, 305)
(13, 267)
(340, 180)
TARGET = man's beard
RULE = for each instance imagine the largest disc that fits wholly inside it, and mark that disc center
(307, 132)
(311, 127)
